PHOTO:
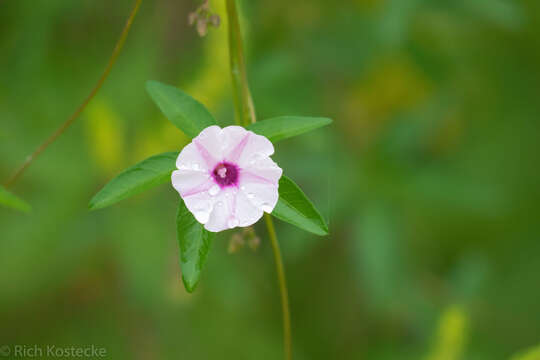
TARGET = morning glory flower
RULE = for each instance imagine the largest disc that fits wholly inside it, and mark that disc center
(227, 178)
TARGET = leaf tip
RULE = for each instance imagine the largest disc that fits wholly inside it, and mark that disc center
(324, 227)
(95, 204)
(320, 230)
(324, 231)
(190, 285)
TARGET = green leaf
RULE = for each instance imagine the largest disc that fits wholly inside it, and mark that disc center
(195, 242)
(283, 127)
(150, 172)
(9, 200)
(182, 110)
(295, 208)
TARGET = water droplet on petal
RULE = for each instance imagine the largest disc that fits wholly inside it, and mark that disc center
(202, 216)
(250, 195)
(255, 157)
(195, 166)
(232, 222)
(242, 188)
(219, 203)
(214, 190)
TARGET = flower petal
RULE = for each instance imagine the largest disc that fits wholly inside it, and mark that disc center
(232, 208)
(236, 138)
(189, 182)
(250, 149)
(246, 212)
(263, 195)
(259, 182)
(223, 206)
(209, 144)
(265, 170)
(200, 204)
(190, 158)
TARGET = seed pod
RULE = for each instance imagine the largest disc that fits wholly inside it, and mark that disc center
(215, 20)
(235, 243)
(192, 17)
(202, 27)
(254, 243)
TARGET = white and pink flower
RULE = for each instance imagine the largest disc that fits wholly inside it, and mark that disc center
(227, 178)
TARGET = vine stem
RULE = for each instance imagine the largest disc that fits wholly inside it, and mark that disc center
(282, 286)
(245, 114)
(243, 103)
(118, 47)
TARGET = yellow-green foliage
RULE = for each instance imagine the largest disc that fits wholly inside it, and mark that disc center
(451, 335)
(529, 354)
(105, 134)
(214, 78)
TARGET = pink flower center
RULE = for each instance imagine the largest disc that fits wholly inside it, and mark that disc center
(225, 174)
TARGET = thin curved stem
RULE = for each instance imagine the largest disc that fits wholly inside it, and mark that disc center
(245, 114)
(118, 47)
(282, 281)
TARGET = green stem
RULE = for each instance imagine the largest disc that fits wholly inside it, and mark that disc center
(243, 103)
(282, 286)
(118, 47)
(245, 115)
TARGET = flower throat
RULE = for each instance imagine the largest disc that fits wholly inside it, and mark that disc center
(225, 174)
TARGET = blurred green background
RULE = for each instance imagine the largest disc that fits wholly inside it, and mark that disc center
(429, 178)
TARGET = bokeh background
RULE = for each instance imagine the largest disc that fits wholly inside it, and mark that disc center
(429, 178)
